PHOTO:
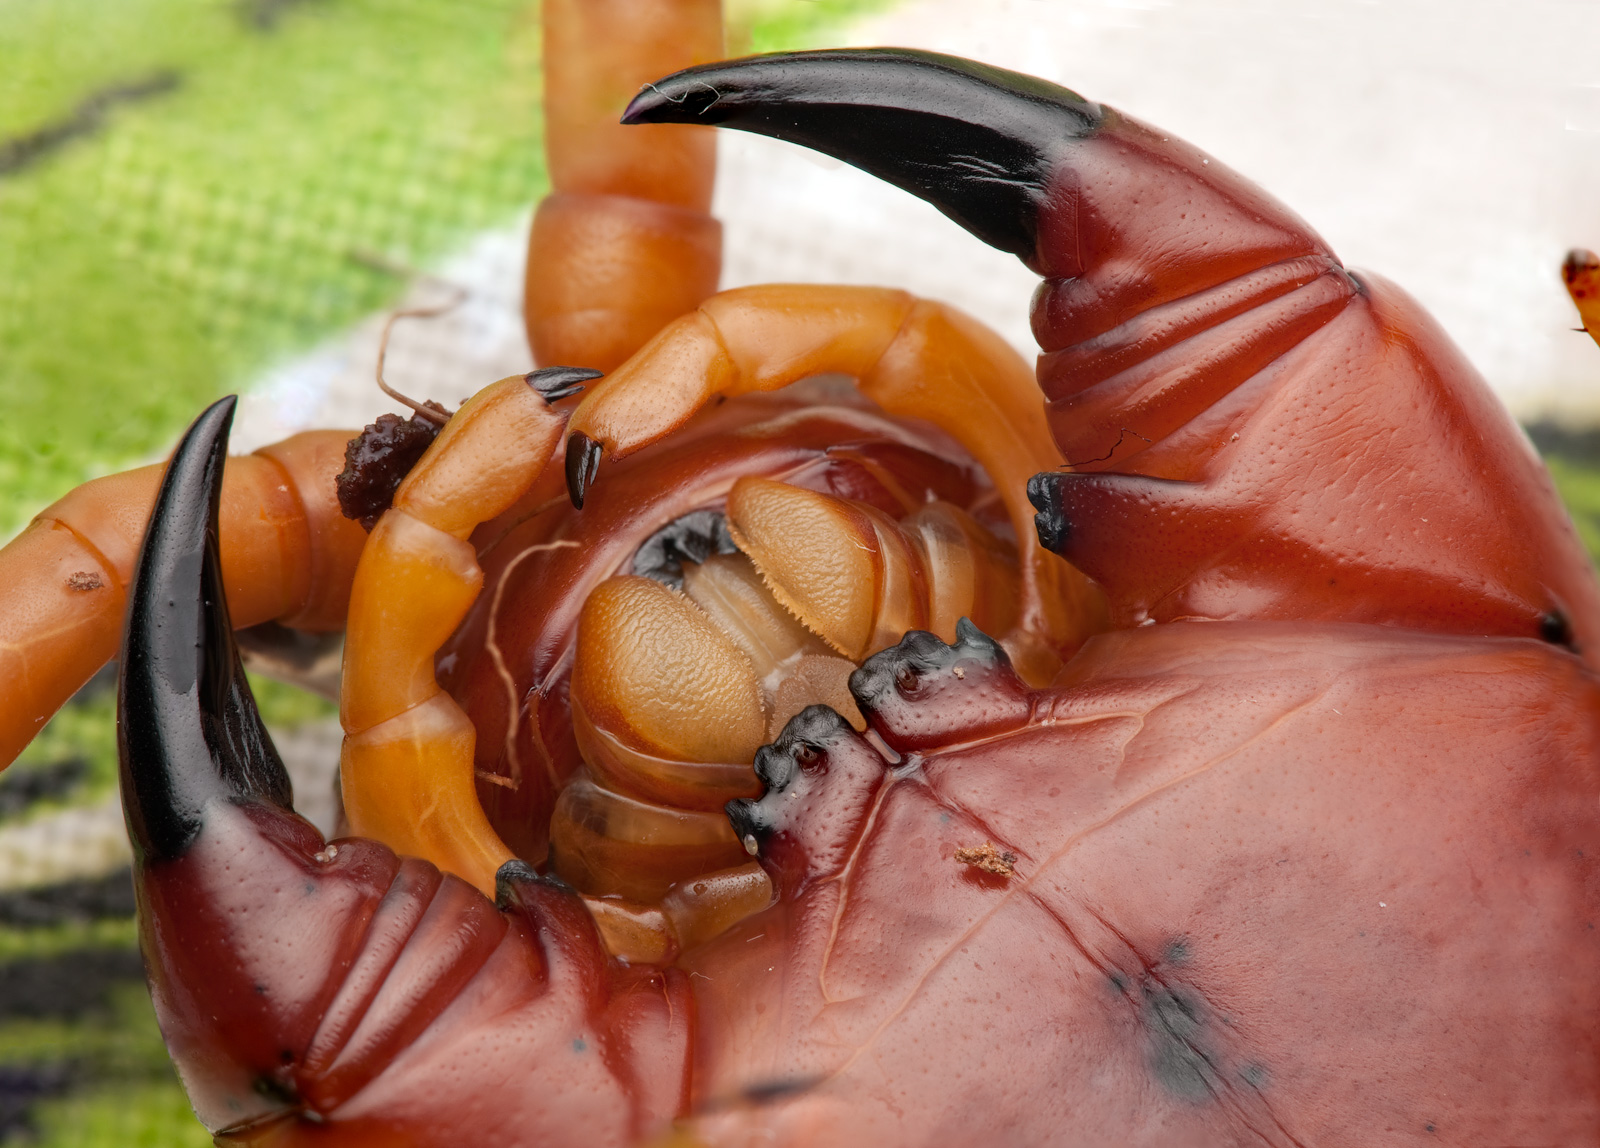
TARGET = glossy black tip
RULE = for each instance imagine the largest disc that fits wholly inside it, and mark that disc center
(1556, 629)
(557, 383)
(583, 465)
(188, 731)
(1051, 522)
(979, 143)
(515, 874)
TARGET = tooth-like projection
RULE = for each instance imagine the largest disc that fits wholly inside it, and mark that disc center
(924, 691)
(847, 576)
(655, 672)
(820, 777)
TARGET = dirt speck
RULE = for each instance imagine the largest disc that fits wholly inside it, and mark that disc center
(989, 859)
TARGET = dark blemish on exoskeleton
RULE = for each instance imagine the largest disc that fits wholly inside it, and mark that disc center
(760, 1093)
(769, 1090)
(1255, 1075)
(274, 1090)
(1173, 1020)
(1556, 629)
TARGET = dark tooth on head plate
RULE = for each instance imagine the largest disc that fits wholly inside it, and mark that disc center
(922, 694)
(807, 736)
(902, 668)
(820, 778)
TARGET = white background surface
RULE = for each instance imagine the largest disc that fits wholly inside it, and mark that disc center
(1452, 145)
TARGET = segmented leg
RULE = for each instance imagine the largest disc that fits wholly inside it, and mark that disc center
(625, 242)
(407, 767)
(914, 357)
(288, 556)
(314, 993)
(623, 245)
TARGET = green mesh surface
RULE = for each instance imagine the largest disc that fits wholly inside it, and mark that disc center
(239, 208)
(191, 191)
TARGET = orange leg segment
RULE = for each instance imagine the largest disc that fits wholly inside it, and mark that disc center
(288, 556)
(624, 243)
(407, 769)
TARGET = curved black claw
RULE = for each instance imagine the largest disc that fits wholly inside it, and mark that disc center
(188, 731)
(583, 465)
(557, 383)
(979, 143)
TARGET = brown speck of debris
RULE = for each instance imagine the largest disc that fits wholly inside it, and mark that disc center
(377, 460)
(84, 580)
(989, 859)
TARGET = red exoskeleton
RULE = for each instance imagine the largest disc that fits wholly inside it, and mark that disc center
(1281, 827)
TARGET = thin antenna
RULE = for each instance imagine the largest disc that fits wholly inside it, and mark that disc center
(430, 410)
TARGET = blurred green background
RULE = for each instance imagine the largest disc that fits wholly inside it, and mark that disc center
(190, 192)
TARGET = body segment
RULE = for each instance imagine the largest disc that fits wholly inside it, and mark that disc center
(1298, 844)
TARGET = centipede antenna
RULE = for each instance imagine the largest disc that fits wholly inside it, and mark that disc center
(429, 410)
